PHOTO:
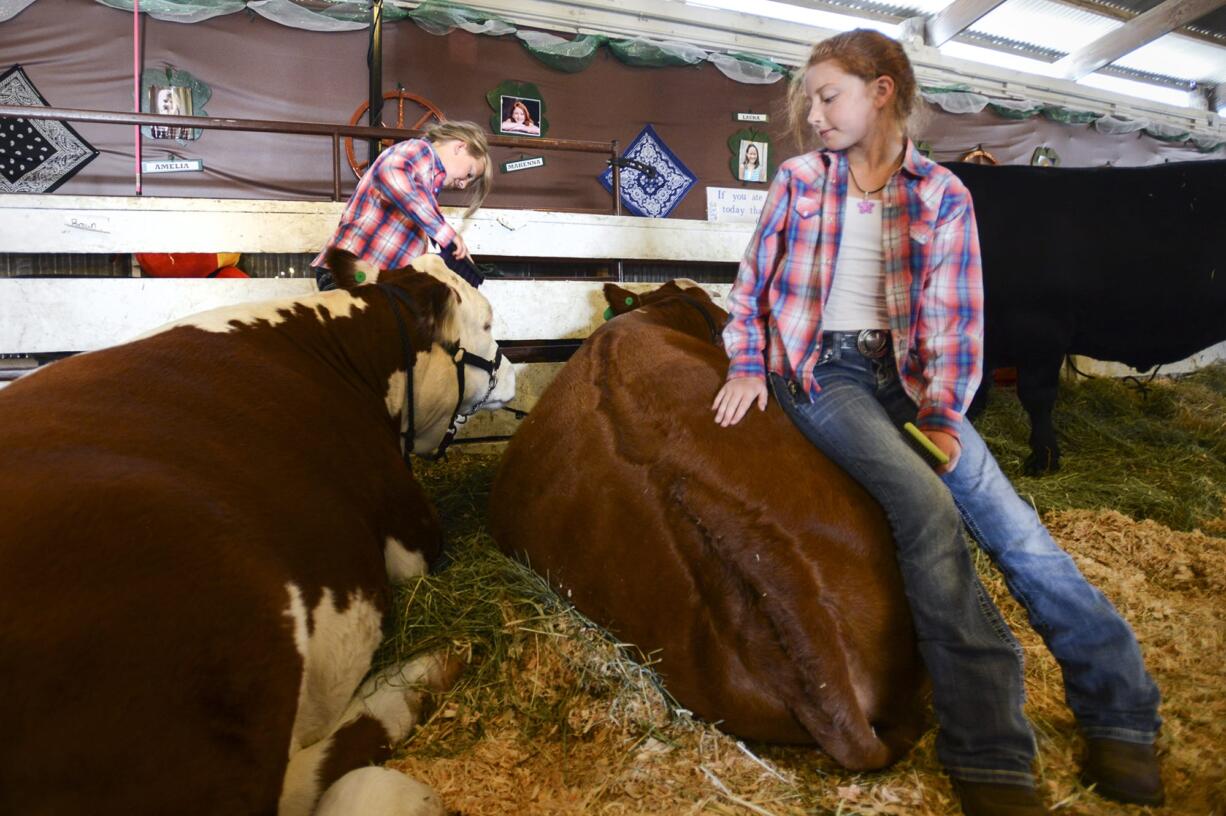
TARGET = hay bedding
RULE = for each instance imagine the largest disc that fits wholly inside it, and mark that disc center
(553, 717)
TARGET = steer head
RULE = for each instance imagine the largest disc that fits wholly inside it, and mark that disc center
(458, 320)
(680, 303)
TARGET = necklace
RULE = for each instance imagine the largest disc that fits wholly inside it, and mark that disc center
(864, 194)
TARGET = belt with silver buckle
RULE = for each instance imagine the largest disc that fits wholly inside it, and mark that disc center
(873, 343)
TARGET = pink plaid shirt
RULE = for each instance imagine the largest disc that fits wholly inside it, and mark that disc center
(394, 212)
(933, 281)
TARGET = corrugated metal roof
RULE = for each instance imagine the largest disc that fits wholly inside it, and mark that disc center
(820, 18)
(1180, 56)
(905, 8)
(1046, 24)
(1212, 24)
(1030, 35)
(994, 56)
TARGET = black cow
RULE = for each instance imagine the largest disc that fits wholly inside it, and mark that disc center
(1113, 263)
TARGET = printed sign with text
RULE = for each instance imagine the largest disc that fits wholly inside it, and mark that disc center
(734, 204)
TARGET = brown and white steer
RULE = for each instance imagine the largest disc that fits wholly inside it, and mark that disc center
(197, 533)
(761, 577)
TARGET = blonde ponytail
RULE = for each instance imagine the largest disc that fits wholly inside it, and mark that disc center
(473, 137)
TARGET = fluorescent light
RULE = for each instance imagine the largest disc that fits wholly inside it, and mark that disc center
(1144, 90)
(1046, 24)
(1001, 59)
(1175, 55)
(796, 14)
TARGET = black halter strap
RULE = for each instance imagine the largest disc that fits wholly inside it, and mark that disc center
(410, 361)
(717, 336)
(462, 358)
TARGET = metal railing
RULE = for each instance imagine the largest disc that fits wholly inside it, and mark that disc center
(335, 132)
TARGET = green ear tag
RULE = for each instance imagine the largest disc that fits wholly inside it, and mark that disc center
(608, 313)
(629, 301)
(360, 277)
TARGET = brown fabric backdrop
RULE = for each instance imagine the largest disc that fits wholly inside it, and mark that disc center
(79, 54)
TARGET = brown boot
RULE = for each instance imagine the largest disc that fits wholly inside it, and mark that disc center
(1123, 771)
(996, 799)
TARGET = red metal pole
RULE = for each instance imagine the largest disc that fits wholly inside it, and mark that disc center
(136, 85)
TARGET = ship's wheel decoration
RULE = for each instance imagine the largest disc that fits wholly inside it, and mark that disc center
(978, 156)
(410, 111)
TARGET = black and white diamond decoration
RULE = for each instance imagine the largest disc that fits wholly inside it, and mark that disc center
(36, 155)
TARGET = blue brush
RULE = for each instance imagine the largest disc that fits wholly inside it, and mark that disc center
(465, 267)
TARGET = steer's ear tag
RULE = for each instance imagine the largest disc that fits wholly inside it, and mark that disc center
(608, 313)
(359, 277)
(629, 301)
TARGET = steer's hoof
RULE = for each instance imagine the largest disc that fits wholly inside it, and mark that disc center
(379, 792)
(447, 670)
(1041, 463)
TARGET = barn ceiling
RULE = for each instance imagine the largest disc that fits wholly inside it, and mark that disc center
(1165, 50)
(1164, 58)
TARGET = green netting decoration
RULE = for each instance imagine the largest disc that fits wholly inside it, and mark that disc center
(338, 16)
(956, 102)
(180, 11)
(1206, 145)
(1115, 125)
(1068, 116)
(569, 56)
(348, 11)
(747, 68)
(646, 53)
(11, 8)
(441, 18)
(1167, 133)
(1017, 109)
(959, 99)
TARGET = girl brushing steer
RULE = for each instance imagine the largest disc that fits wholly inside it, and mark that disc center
(393, 214)
(859, 305)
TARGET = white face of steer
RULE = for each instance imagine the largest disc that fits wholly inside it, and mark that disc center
(472, 320)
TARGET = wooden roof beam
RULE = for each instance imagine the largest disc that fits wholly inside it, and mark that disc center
(1138, 31)
(955, 18)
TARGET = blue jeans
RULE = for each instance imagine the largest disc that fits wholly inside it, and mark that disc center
(973, 659)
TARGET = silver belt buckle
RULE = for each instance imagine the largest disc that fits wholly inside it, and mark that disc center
(872, 343)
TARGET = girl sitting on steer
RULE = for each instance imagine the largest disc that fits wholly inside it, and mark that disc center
(859, 306)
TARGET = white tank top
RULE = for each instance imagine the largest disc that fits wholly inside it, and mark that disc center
(857, 290)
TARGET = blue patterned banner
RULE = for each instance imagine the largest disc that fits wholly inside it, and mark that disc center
(654, 196)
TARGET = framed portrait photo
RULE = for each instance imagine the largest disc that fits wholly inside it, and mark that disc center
(170, 92)
(170, 100)
(752, 159)
(520, 116)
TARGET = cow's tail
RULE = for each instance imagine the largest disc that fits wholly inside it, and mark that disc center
(817, 689)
